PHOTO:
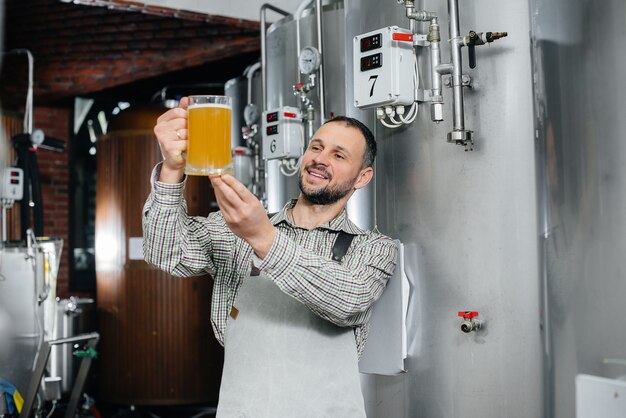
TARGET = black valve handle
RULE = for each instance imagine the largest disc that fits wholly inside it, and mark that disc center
(471, 48)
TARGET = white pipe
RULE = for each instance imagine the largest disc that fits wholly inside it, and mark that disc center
(320, 43)
(250, 74)
(28, 111)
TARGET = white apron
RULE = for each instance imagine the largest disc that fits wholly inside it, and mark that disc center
(283, 361)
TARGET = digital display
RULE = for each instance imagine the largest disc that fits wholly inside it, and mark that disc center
(272, 117)
(372, 61)
(272, 130)
(371, 42)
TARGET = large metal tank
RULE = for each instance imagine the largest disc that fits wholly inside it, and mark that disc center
(283, 73)
(156, 346)
(21, 314)
(580, 97)
(467, 219)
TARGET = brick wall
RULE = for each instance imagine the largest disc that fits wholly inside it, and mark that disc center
(53, 168)
(80, 49)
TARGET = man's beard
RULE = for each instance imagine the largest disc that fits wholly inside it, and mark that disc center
(326, 195)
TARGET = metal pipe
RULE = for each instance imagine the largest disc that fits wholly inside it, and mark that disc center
(43, 355)
(320, 48)
(457, 70)
(262, 18)
(419, 15)
(436, 95)
(76, 339)
(28, 111)
(250, 74)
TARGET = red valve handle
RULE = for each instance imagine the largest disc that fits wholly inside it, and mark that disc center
(300, 85)
(468, 314)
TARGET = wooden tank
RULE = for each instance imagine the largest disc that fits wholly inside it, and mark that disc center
(157, 346)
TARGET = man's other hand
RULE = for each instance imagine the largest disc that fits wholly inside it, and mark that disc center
(171, 132)
(244, 214)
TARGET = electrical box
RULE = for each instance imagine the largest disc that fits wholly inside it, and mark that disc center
(12, 187)
(283, 133)
(384, 66)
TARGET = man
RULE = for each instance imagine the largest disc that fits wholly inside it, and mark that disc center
(292, 320)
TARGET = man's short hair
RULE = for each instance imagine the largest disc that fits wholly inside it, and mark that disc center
(370, 141)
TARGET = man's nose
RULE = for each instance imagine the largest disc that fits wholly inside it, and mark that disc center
(321, 158)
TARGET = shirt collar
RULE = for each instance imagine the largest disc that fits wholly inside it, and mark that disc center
(340, 223)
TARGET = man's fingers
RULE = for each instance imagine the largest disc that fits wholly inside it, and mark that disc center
(241, 190)
(184, 102)
(225, 194)
(171, 114)
(181, 134)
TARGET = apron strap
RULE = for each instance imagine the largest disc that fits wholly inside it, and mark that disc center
(341, 245)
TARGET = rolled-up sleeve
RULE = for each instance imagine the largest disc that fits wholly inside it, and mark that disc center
(177, 243)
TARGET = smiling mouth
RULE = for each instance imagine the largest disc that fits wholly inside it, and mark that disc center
(318, 173)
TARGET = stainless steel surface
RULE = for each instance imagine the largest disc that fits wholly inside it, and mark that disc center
(237, 89)
(282, 73)
(21, 283)
(580, 97)
(71, 319)
(39, 367)
(468, 222)
(263, 28)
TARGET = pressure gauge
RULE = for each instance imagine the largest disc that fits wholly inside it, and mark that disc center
(309, 60)
(251, 114)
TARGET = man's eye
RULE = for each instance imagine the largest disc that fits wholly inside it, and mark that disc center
(339, 156)
(315, 148)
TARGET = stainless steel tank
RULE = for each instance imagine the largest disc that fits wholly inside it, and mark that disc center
(73, 317)
(245, 91)
(467, 219)
(283, 73)
(580, 96)
(21, 289)
(548, 159)
(237, 89)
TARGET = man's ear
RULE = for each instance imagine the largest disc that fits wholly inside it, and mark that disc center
(365, 176)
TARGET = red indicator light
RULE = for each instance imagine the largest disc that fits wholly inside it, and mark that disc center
(408, 37)
(290, 115)
(240, 151)
(15, 173)
(272, 117)
(14, 181)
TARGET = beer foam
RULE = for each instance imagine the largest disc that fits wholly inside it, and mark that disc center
(195, 105)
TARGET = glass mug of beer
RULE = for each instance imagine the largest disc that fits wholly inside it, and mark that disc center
(208, 139)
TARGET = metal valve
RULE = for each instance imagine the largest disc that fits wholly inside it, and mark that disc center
(470, 322)
(481, 38)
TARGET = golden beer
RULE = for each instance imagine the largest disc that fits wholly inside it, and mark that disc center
(209, 137)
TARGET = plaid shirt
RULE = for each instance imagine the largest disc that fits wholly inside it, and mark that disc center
(299, 261)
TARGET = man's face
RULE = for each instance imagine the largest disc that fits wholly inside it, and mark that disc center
(332, 165)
